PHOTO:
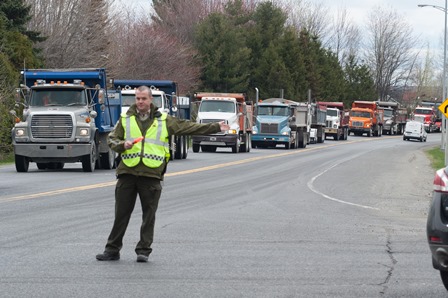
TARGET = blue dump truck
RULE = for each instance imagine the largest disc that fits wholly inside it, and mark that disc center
(66, 117)
(166, 98)
(275, 124)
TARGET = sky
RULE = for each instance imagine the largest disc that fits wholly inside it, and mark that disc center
(426, 22)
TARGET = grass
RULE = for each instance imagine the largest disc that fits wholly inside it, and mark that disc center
(437, 157)
(6, 158)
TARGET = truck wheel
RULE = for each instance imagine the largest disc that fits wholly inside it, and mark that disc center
(369, 133)
(444, 276)
(89, 161)
(22, 163)
(107, 159)
(179, 147)
(195, 148)
(287, 146)
(248, 142)
(336, 137)
(235, 148)
(185, 147)
(42, 165)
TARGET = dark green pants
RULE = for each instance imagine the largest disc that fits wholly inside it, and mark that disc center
(126, 190)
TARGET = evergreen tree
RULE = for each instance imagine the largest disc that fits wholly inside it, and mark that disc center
(222, 46)
(360, 83)
(264, 39)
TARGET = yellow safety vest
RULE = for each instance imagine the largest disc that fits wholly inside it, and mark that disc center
(152, 149)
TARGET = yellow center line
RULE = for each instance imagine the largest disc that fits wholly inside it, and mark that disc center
(197, 170)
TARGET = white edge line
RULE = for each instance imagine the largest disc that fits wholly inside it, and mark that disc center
(311, 187)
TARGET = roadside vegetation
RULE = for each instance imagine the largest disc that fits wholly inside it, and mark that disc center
(437, 157)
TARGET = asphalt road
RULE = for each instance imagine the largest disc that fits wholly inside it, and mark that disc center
(338, 219)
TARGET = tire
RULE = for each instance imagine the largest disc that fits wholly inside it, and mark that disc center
(185, 147)
(444, 277)
(107, 160)
(89, 161)
(22, 163)
(249, 142)
(235, 148)
(179, 146)
(196, 148)
(369, 133)
(287, 146)
(42, 165)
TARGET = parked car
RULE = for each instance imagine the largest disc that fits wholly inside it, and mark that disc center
(415, 130)
(437, 225)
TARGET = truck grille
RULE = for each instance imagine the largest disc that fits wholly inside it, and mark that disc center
(51, 126)
(210, 120)
(329, 123)
(358, 124)
(269, 128)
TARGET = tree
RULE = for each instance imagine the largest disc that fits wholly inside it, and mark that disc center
(16, 49)
(390, 47)
(221, 43)
(77, 31)
(360, 84)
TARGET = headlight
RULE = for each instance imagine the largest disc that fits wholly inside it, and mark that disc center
(84, 132)
(335, 125)
(232, 131)
(20, 132)
(285, 133)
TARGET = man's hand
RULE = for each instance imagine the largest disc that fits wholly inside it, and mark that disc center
(128, 145)
(224, 126)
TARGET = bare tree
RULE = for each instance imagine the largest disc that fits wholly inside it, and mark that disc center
(344, 38)
(143, 51)
(181, 17)
(389, 49)
(76, 31)
(311, 17)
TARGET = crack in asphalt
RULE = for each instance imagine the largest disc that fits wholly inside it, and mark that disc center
(391, 267)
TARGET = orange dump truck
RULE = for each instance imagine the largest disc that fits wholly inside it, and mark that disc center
(366, 117)
(233, 108)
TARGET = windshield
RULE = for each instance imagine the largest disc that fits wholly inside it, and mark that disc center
(275, 111)
(360, 114)
(423, 111)
(388, 113)
(128, 99)
(58, 97)
(333, 113)
(217, 106)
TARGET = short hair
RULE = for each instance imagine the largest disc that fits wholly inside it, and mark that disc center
(145, 88)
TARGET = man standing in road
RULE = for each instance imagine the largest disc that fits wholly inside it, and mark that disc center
(142, 167)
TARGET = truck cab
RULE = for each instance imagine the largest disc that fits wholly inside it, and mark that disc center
(274, 125)
(66, 117)
(429, 117)
(235, 110)
(366, 117)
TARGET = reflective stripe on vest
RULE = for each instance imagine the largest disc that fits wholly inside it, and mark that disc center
(153, 149)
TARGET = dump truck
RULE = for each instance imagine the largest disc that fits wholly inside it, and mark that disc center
(66, 117)
(166, 98)
(233, 108)
(394, 117)
(366, 117)
(337, 120)
(318, 122)
(275, 124)
(426, 112)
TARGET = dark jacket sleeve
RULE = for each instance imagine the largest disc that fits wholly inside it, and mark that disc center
(115, 140)
(185, 127)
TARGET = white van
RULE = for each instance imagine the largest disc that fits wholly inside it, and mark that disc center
(415, 130)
